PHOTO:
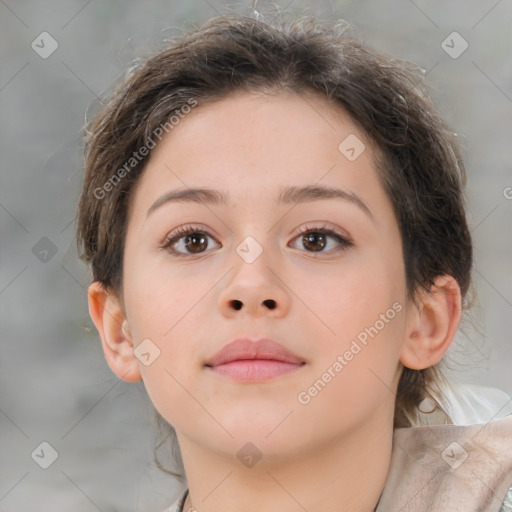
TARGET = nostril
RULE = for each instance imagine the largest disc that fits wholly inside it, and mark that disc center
(270, 303)
(237, 304)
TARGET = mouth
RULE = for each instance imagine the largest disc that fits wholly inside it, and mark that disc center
(247, 360)
(253, 370)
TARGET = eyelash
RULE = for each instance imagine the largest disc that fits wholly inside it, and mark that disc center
(181, 232)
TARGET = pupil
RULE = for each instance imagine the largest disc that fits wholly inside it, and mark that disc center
(311, 237)
(190, 240)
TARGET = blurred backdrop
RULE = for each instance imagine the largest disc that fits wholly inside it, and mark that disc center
(58, 59)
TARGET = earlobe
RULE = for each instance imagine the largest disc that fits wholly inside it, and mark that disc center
(116, 339)
(432, 324)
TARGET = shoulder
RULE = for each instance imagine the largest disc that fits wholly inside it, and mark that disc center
(506, 506)
(177, 506)
(467, 466)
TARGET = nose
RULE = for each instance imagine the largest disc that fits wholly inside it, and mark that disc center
(255, 289)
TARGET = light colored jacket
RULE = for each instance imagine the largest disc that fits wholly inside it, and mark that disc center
(465, 466)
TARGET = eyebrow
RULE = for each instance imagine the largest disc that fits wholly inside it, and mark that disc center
(287, 195)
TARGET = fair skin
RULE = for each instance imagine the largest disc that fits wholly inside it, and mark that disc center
(332, 453)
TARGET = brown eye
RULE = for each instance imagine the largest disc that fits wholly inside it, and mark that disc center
(315, 240)
(195, 242)
(187, 241)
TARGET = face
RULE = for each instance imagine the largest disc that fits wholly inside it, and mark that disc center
(323, 277)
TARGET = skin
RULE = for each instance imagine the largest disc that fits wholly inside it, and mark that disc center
(332, 453)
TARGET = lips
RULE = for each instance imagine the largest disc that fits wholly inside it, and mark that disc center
(249, 361)
(246, 349)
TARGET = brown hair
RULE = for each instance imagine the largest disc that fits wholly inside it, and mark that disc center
(418, 161)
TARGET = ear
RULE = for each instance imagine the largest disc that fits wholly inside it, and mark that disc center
(432, 324)
(108, 316)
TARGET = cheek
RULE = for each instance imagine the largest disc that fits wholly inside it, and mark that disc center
(354, 377)
(353, 296)
(362, 309)
(164, 312)
(159, 294)
(164, 305)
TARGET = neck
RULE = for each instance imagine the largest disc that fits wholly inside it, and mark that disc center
(347, 473)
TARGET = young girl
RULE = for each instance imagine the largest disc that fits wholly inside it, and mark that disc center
(274, 218)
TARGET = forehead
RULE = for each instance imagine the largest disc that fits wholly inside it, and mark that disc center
(254, 145)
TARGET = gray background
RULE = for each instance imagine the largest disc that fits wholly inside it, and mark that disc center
(55, 384)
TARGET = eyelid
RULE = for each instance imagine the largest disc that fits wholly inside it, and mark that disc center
(181, 231)
(343, 238)
(326, 227)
